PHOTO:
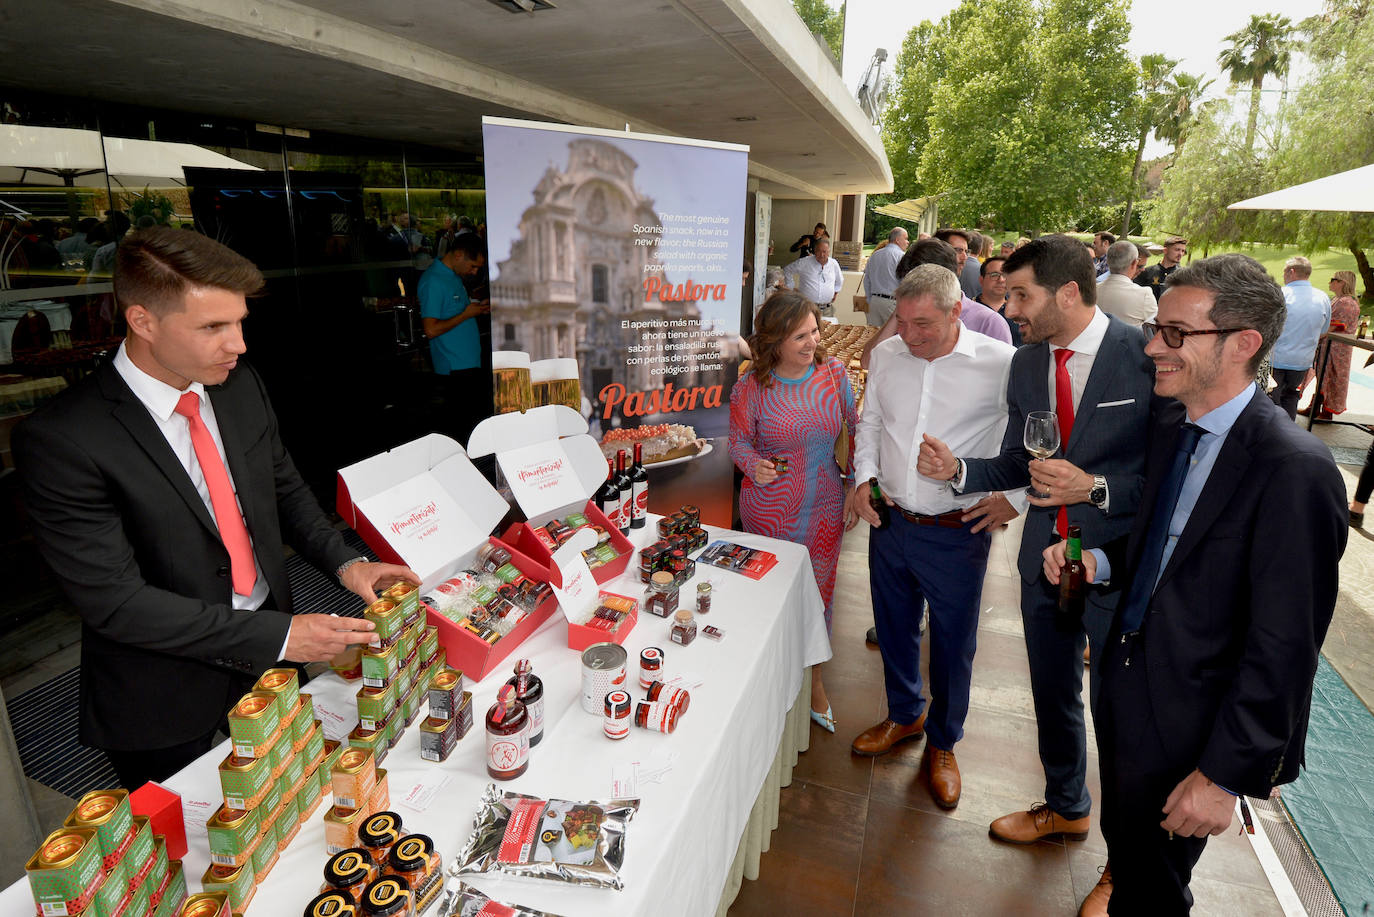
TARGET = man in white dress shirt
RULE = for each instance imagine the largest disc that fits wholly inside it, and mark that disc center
(1118, 295)
(935, 378)
(880, 277)
(817, 276)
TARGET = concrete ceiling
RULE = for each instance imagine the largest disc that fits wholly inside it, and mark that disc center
(426, 71)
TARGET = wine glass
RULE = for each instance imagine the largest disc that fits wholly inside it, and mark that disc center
(1042, 440)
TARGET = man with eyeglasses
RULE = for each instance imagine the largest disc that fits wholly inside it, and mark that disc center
(1206, 678)
(1091, 370)
(994, 293)
(1309, 315)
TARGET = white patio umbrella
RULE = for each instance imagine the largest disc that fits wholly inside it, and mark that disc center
(1351, 191)
(72, 157)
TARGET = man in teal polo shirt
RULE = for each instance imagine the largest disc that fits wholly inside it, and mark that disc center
(450, 323)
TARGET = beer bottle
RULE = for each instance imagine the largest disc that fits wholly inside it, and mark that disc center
(639, 488)
(1073, 584)
(875, 497)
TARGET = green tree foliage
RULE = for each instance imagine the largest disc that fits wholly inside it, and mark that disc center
(824, 21)
(1151, 111)
(1263, 48)
(1016, 111)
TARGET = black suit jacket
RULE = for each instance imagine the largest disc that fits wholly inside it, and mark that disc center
(138, 554)
(1233, 629)
(1110, 436)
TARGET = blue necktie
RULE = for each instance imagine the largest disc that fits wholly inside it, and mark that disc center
(1146, 575)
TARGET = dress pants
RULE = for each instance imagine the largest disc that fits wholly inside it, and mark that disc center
(1150, 870)
(1056, 673)
(1288, 390)
(909, 564)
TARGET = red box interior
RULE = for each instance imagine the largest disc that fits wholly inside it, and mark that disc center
(521, 537)
(580, 636)
(476, 657)
(163, 808)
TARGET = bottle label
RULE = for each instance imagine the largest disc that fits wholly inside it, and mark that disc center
(1074, 550)
(508, 753)
(611, 510)
(626, 507)
(536, 711)
(641, 499)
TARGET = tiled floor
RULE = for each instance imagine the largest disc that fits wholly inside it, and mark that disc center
(862, 835)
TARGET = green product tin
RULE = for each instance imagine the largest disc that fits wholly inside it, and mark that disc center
(314, 745)
(140, 903)
(109, 814)
(174, 895)
(237, 881)
(305, 718)
(404, 679)
(389, 618)
(142, 851)
(293, 771)
(232, 833)
(407, 598)
(429, 643)
(244, 780)
(379, 666)
(283, 684)
(404, 644)
(253, 724)
(160, 862)
(272, 801)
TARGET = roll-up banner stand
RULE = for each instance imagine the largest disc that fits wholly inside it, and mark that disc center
(622, 252)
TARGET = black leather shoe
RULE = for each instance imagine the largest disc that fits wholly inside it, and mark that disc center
(872, 635)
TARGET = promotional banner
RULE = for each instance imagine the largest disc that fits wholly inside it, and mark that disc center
(615, 260)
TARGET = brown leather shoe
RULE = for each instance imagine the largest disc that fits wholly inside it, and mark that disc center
(1095, 905)
(944, 777)
(880, 739)
(1037, 824)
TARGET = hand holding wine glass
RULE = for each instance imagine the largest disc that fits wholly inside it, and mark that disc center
(1041, 439)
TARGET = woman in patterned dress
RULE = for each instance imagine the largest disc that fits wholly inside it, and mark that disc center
(793, 404)
(1345, 317)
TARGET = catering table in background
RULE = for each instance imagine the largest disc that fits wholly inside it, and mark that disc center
(697, 832)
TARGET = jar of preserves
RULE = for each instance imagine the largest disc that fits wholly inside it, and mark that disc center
(703, 598)
(663, 594)
(684, 627)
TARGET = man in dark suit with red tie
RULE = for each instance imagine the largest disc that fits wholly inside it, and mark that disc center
(1228, 580)
(161, 495)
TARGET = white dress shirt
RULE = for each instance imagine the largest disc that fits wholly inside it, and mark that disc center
(161, 400)
(1080, 365)
(818, 282)
(1119, 295)
(960, 398)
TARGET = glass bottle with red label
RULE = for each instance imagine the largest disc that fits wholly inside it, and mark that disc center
(530, 690)
(639, 486)
(622, 480)
(508, 738)
(608, 497)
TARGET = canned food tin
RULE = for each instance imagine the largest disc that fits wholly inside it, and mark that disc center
(429, 642)
(389, 619)
(136, 902)
(232, 833)
(236, 881)
(288, 820)
(264, 854)
(173, 895)
(415, 859)
(650, 666)
(207, 904)
(376, 741)
(692, 514)
(108, 812)
(464, 715)
(313, 749)
(375, 705)
(655, 716)
(603, 670)
(305, 716)
(253, 724)
(331, 904)
(293, 771)
(142, 853)
(244, 781)
(414, 701)
(353, 778)
(378, 833)
(333, 751)
(381, 793)
(341, 828)
(380, 665)
(158, 874)
(405, 643)
(65, 871)
(438, 738)
(279, 751)
(309, 796)
(678, 697)
(616, 715)
(445, 692)
(283, 684)
(407, 598)
(405, 679)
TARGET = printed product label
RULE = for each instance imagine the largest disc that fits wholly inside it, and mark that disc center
(518, 841)
(536, 711)
(508, 753)
(640, 489)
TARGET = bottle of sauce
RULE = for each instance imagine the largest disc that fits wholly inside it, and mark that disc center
(1073, 584)
(639, 487)
(875, 497)
(608, 497)
(626, 487)
(684, 627)
(508, 740)
(1364, 328)
(530, 690)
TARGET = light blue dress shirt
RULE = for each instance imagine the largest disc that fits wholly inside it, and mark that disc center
(1216, 426)
(1309, 315)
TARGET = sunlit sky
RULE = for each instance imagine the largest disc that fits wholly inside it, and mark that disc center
(1182, 29)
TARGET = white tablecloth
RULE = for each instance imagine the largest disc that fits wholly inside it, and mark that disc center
(680, 844)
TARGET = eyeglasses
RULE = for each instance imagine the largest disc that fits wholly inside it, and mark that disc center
(1173, 336)
(994, 274)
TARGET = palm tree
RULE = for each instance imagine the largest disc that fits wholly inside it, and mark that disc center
(1184, 92)
(1153, 109)
(1263, 48)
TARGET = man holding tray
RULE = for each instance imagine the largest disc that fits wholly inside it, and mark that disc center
(161, 494)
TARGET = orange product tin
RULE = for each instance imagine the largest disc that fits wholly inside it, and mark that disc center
(380, 798)
(341, 828)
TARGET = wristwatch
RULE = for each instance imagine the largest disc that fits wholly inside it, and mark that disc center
(346, 564)
(1098, 495)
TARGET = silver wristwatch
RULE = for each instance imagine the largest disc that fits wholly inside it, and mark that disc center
(1098, 495)
(346, 564)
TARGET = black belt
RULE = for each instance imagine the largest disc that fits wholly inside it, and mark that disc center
(951, 520)
(881, 295)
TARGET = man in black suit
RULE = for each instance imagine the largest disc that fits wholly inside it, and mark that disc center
(1089, 368)
(1229, 580)
(160, 493)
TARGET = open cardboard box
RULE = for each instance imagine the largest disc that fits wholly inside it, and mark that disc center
(424, 505)
(553, 468)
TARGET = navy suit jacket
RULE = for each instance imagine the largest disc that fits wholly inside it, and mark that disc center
(138, 554)
(1240, 611)
(1110, 435)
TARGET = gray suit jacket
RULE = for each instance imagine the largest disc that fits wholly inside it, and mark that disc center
(1110, 436)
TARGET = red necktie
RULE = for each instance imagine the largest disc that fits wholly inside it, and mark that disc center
(1063, 406)
(232, 531)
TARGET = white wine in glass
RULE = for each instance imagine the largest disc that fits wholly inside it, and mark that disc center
(1041, 439)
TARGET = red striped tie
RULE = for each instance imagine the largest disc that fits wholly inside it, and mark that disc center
(1063, 406)
(232, 531)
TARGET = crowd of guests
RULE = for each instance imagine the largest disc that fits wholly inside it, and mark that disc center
(1178, 472)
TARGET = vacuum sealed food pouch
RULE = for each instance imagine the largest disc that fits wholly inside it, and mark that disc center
(578, 842)
(469, 902)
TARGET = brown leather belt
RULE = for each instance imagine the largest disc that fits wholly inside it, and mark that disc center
(950, 520)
